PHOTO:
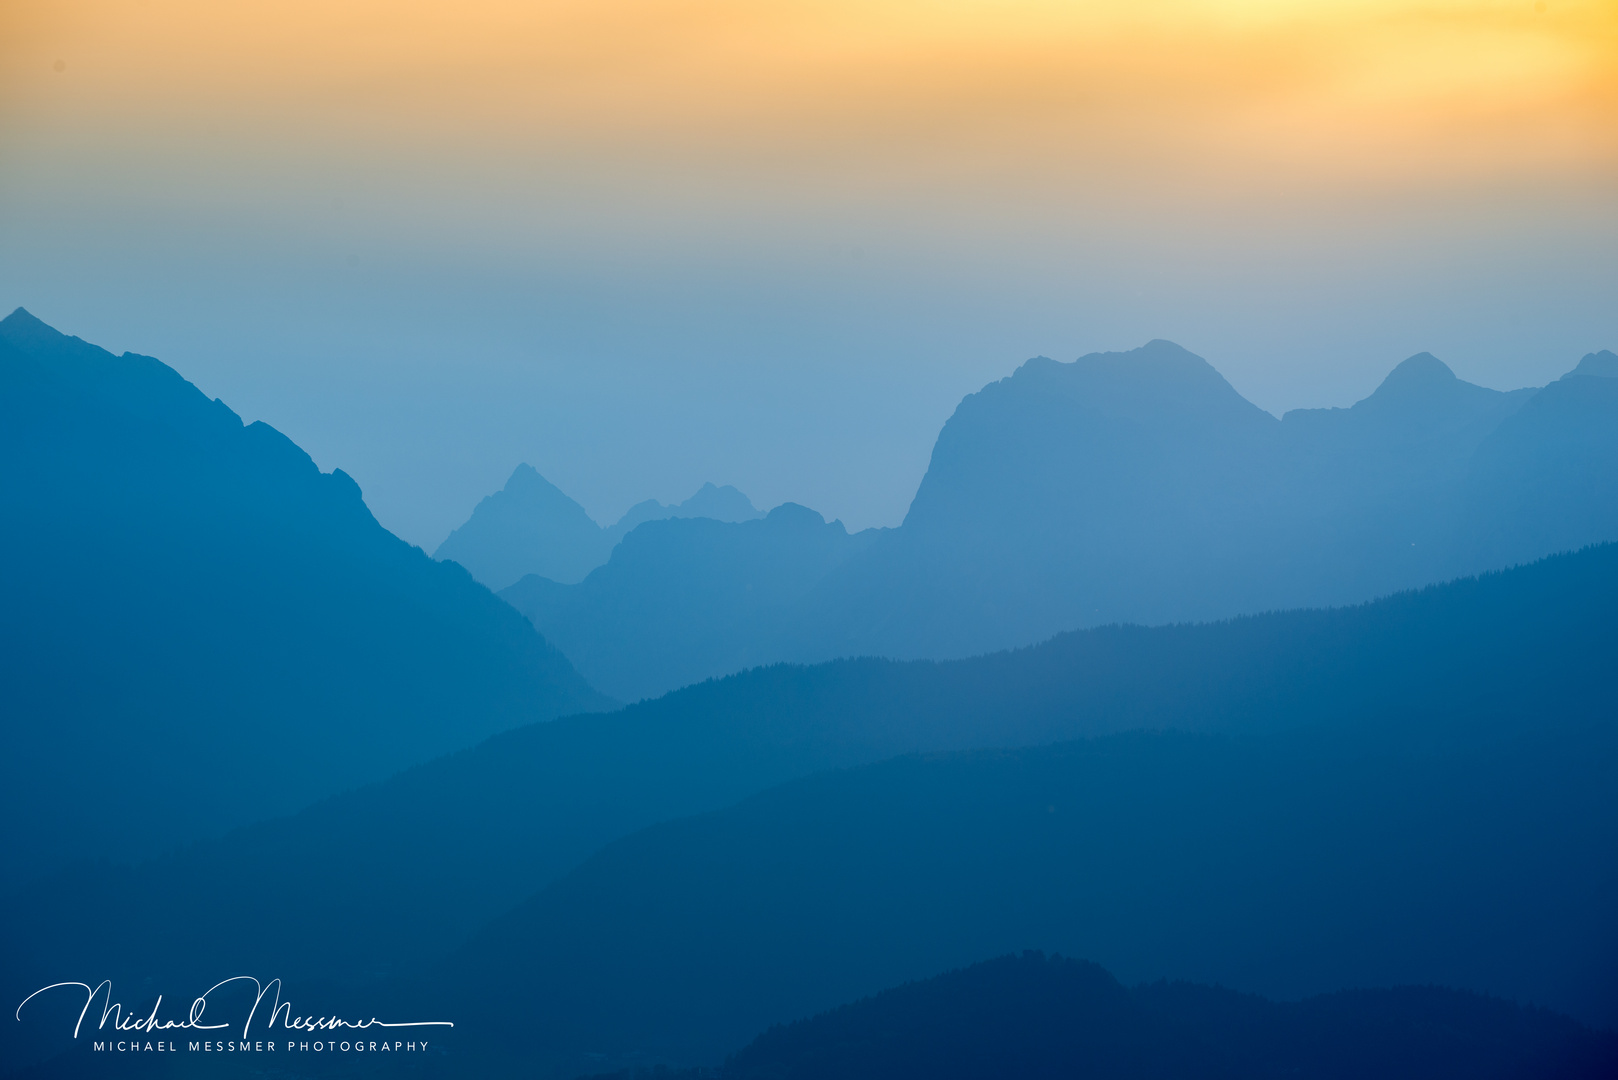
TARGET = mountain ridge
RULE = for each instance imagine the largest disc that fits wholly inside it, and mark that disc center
(415, 863)
(183, 585)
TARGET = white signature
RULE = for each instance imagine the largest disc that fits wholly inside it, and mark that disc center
(112, 1012)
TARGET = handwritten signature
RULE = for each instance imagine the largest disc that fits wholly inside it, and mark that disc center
(113, 1014)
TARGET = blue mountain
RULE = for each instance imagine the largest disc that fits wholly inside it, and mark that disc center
(203, 629)
(1134, 487)
(530, 527)
(1444, 757)
(686, 599)
(1033, 1016)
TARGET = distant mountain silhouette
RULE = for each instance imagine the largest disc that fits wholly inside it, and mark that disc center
(1065, 495)
(531, 527)
(528, 527)
(719, 503)
(202, 629)
(393, 876)
(1547, 478)
(1282, 865)
(1603, 364)
(1141, 487)
(682, 600)
(1029, 1017)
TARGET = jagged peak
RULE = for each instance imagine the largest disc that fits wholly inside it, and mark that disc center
(22, 317)
(24, 326)
(528, 482)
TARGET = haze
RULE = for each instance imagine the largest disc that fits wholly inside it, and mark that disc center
(646, 245)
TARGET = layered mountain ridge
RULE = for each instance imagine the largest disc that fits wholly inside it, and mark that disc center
(203, 629)
(530, 527)
(209, 633)
(1134, 487)
(1478, 701)
(1047, 1017)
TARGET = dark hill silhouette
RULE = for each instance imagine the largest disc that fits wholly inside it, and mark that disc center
(685, 599)
(394, 875)
(531, 527)
(1028, 1017)
(1282, 864)
(202, 629)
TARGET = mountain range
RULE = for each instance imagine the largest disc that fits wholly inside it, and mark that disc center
(1031, 1017)
(1134, 487)
(531, 527)
(249, 730)
(1473, 716)
(203, 629)
(1278, 865)
(683, 600)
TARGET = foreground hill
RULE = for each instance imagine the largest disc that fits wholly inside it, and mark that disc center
(1030, 1017)
(203, 629)
(1286, 865)
(394, 876)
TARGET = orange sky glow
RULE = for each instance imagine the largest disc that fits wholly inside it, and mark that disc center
(802, 227)
(1320, 92)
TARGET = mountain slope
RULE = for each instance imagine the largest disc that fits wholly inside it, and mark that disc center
(1141, 487)
(1282, 865)
(687, 599)
(527, 527)
(203, 629)
(1028, 1016)
(398, 873)
(1127, 487)
(531, 528)
(711, 501)
(1065, 495)
(1547, 478)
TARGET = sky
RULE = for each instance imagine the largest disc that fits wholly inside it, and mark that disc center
(643, 244)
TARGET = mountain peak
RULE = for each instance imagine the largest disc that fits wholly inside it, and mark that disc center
(530, 526)
(1423, 369)
(795, 514)
(1417, 380)
(21, 317)
(1159, 383)
(24, 328)
(725, 503)
(1603, 364)
(526, 478)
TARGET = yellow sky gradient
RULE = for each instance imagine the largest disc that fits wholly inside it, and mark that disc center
(1322, 92)
(803, 228)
